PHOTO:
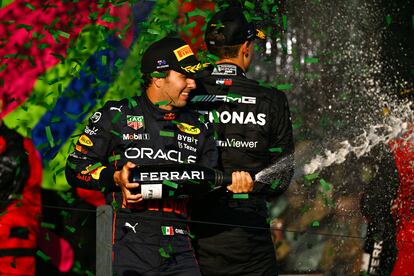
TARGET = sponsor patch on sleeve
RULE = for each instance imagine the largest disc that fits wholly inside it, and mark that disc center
(189, 129)
(85, 140)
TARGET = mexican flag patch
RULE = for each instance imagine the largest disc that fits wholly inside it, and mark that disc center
(167, 230)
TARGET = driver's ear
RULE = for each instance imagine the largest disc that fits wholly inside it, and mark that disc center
(157, 82)
(245, 48)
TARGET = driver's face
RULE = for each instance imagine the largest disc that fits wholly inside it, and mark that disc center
(176, 89)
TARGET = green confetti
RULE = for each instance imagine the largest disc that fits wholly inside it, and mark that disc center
(170, 183)
(257, 18)
(163, 253)
(215, 117)
(94, 166)
(42, 255)
(167, 133)
(116, 117)
(190, 26)
(24, 26)
(284, 18)
(213, 57)
(171, 193)
(197, 12)
(67, 197)
(275, 150)
(192, 236)
(116, 133)
(275, 184)
(388, 19)
(249, 5)
(315, 223)
(233, 97)
(103, 60)
(16, 196)
(55, 119)
(162, 103)
(312, 75)
(58, 56)
(298, 123)
(30, 6)
(93, 16)
(153, 31)
(118, 63)
(194, 181)
(59, 170)
(63, 34)
(71, 165)
(325, 185)
(311, 176)
(5, 212)
(114, 158)
(240, 196)
(70, 228)
(248, 16)
(47, 225)
(49, 136)
(115, 205)
(109, 18)
(131, 102)
(412, 20)
(202, 119)
(159, 75)
(3, 67)
(311, 60)
(286, 86)
(65, 214)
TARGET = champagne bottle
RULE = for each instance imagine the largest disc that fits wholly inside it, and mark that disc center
(160, 181)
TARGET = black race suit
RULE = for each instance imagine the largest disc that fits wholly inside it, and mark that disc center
(253, 131)
(151, 237)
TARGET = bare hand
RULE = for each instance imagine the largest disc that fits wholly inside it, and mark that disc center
(122, 180)
(242, 182)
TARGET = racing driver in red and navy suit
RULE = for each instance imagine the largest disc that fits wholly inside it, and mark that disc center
(154, 128)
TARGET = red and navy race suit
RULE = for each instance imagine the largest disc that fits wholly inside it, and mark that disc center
(403, 208)
(380, 189)
(253, 131)
(20, 203)
(136, 130)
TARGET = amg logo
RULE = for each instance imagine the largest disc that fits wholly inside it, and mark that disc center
(160, 176)
(242, 118)
(225, 98)
(149, 153)
(233, 143)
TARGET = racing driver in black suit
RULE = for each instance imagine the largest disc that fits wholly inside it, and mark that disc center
(150, 236)
(253, 131)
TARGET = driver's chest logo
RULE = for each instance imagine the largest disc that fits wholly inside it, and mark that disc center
(135, 122)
